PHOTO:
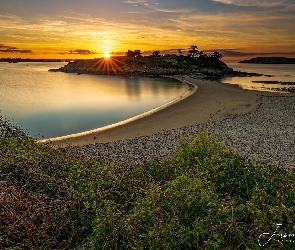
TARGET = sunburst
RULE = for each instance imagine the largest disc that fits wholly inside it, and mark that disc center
(107, 55)
(108, 66)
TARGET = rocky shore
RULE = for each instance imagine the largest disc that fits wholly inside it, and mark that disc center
(288, 86)
(264, 134)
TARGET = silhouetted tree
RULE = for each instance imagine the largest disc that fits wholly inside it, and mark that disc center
(137, 53)
(156, 53)
(193, 51)
(202, 56)
(216, 55)
(179, 51)
(131, 53)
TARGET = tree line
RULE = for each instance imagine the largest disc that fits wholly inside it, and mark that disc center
(193, 52)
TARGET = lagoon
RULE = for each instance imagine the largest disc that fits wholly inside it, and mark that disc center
(51, 104)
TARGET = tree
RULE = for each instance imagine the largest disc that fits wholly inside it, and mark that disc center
(202, 56)
(131, 53)
(156, 53)
(179, 51)
(193, 51)
(216, 55)
(137, 53)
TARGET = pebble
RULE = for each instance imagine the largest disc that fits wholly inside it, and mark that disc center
(265, 134)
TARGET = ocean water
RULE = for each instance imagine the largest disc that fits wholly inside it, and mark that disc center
(271, 72)
(50, 104)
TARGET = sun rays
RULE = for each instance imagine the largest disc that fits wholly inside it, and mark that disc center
(108, 66)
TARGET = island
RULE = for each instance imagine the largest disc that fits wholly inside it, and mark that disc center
(270, 60)
(200, 66)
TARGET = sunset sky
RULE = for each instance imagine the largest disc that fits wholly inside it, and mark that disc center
(90, 28)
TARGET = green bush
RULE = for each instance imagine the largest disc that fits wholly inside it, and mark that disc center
(202, 197)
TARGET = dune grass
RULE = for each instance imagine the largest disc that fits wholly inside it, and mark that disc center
(202, 197)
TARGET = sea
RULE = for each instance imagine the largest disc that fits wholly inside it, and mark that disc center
(272, 76)
(51, 104)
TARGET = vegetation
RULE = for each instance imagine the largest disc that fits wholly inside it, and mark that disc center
(131, 53)
(154, 65)
(202, 197)
(134, 64)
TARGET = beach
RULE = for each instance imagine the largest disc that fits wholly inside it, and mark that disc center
(208, 100)
(257, 125)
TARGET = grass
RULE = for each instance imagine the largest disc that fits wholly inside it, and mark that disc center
(202, 197)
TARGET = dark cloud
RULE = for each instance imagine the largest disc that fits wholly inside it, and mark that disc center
(82, 52)
(22, 51)
(10, 49)
(3, 46)
(257, 3)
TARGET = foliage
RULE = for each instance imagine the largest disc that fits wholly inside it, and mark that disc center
(131, 53)
(202, 197)
(134, 64)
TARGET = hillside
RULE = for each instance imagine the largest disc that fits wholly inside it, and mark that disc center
(201, 197)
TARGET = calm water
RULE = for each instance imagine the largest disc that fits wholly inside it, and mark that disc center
(54, 104)
(278, 72)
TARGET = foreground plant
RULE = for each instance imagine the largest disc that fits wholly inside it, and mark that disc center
(202, 197)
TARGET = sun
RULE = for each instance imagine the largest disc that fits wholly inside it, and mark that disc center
(106, 55)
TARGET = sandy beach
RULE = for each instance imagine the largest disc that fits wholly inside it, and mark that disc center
(212, 100)
(257, 125)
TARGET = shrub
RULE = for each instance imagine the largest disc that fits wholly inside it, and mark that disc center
(202, 197)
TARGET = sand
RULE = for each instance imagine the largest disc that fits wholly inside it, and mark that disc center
(211, 100)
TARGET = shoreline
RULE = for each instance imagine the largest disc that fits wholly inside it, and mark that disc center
(265, 134)
(212, 100)
(190, 89)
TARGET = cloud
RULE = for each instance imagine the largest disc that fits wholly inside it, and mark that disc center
(78, 52)
(7, 47)
(172, 24)
(135, 1)
(82, 52)
(141, 2)
(260, 3)
(10, 49)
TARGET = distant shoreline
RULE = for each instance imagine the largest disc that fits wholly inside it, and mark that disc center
(18, 60)
(270, 60)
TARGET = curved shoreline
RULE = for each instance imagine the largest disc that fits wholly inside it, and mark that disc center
(213, 100)
(191, 88)
(265, 134)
